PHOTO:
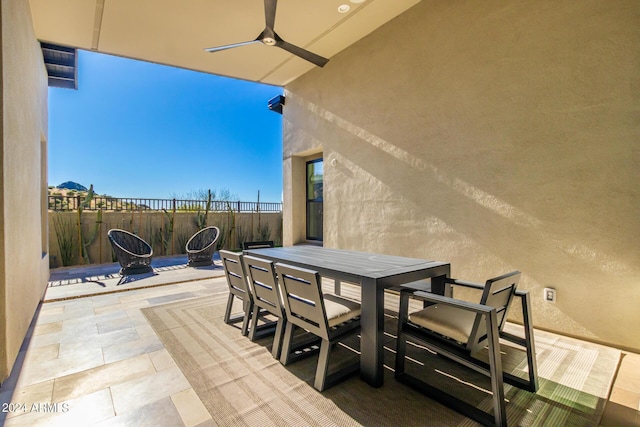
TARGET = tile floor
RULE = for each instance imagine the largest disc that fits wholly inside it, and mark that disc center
(98, 355)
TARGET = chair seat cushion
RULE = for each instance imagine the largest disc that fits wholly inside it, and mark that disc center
(340, 309)
(446, 320)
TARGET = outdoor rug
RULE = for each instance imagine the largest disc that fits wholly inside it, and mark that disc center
(240, 383)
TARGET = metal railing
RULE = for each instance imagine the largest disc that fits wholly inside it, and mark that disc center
(127, 204)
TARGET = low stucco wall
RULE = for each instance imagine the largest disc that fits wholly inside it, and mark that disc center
(23, 135)
(494, 135)
(154, 228)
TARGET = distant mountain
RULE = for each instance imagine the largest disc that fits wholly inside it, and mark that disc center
(70, 185)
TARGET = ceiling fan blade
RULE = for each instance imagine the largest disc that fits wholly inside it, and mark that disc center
(270, 38)
(270, 12)
(230, 46)
(302, 53)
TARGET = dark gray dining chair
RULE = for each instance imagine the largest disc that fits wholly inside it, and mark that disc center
(236, 276)
(460, 330)
(257, 245)
(266, 296)
(330, 317)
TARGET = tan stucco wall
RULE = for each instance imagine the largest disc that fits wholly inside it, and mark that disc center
(23, 265)
(495, 135)
(147, 225)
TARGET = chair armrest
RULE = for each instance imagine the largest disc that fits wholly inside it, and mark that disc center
(464, 283)
(439, 299)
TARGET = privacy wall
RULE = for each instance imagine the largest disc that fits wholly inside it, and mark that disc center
(167, 232)
(494, 135)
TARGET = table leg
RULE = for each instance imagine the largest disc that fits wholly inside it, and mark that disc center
(372, 333)
(439, 287)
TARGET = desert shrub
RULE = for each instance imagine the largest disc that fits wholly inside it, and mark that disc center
(264, 232)
(66, 236)
(182, 236)
(222, 240)
(243, 234)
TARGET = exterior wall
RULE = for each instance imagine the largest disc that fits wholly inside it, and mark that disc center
(496, 136)
(148, 226)
(23, 264)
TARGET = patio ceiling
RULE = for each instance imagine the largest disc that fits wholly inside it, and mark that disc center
(176, 32)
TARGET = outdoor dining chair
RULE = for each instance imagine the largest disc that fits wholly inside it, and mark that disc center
(132, 252)
(201, 247)
(235, 273)
(460, 331)
(257, 245)
(330, 317)
(265, 294)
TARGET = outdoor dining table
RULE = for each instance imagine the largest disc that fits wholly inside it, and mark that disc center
(374, 273)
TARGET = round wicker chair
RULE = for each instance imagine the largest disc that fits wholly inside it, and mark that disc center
(201, 247)
(133, 253)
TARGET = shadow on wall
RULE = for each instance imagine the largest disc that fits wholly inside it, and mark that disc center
(497, 226)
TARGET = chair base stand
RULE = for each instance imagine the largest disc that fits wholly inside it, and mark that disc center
(200, 263)
(303, 346)
(237, 318)
(136, 269)
(262, 331)
(339, 376)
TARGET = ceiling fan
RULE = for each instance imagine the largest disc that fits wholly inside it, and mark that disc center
(270, 38)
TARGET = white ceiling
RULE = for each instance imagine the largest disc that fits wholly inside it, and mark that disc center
(176, 32)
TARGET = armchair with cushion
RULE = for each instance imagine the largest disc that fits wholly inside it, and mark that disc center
(460, 331)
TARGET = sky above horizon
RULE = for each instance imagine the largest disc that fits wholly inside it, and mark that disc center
(137, 129)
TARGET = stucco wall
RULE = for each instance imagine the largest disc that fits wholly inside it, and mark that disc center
(494, 135)
(24, 266)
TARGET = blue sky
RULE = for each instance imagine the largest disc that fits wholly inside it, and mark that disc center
(136, 129)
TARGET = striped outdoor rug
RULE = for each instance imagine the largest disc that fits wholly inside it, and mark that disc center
(240, 383)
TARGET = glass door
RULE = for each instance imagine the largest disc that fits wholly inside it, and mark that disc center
(315, 175)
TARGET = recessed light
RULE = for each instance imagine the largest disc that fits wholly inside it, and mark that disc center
(357, 1)
(344, 8)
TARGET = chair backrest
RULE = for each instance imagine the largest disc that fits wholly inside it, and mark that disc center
(129, 242)
(234, 271)
(257, 245)
(302, 299)
(498, 293)
(263, 282)
(203, 239)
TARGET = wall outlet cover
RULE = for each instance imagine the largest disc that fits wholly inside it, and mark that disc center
(549, 295)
